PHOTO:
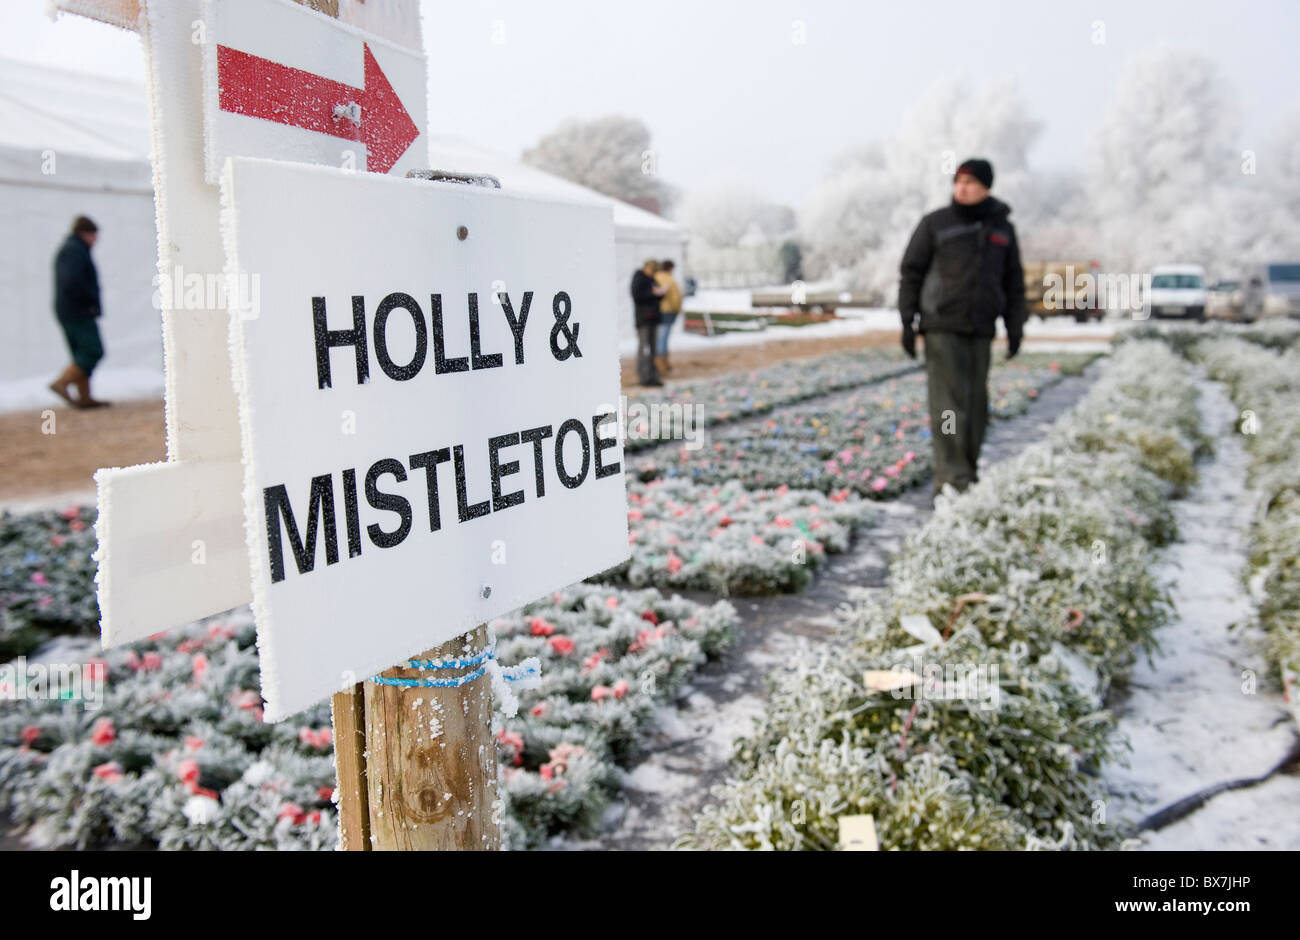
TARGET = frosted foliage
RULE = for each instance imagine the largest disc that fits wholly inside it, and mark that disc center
(1007, 574)
(607, 154)
(1162, 162)
(1164, 176)
(1171, 178)
(733, 215)
(856, 223)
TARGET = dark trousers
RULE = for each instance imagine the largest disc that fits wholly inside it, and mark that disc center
(84, 342)
(957, 372)
(645, 354)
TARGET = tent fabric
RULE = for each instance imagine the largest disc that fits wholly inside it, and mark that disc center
(42, 107)
(73, 144)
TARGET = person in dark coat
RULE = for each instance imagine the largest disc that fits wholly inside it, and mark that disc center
(961, 271)
(76, 306)
(645, 303)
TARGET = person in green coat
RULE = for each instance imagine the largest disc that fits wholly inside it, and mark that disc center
(961, 271)
(76, 306)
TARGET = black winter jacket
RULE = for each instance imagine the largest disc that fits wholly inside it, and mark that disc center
(76, 285)
(962, 271)
(645, 301)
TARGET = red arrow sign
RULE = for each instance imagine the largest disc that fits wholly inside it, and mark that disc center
(264, 89)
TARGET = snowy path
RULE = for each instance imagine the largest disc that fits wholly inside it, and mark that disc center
(1189, 722)
(690, 750)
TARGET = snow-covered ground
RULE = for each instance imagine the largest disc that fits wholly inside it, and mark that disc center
(1193, 718)
(853, 321)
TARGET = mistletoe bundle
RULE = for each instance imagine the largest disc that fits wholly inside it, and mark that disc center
(1053, 558)
(1277, 334)
(1005, 583)
(1159, 426)
(795, 800)
(730, 540)
(1017, 755)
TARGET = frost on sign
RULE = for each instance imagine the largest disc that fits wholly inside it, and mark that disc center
(411, 401)
(282, 82)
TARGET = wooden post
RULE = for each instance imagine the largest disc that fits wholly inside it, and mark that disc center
(349, 713)
(427, 776)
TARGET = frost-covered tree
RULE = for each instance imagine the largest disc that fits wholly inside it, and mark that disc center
(1172, 179)
(1273, 194)
(1164, 173)
(725, 216)
(857, 221)
(611, 155)
(736, 235)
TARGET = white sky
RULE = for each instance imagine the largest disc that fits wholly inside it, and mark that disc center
(729, 97)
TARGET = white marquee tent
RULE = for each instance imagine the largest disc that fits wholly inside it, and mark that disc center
(73, 144)
(77, 144)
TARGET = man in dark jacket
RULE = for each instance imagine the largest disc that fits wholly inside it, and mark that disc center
(76, 305)
(645, 304)
(961, 271)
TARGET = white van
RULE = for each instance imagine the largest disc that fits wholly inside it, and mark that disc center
(1177, 290)
(1272, 290)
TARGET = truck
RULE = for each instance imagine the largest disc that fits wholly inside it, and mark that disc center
(1063, 288)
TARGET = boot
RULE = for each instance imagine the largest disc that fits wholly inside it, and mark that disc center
(59, 386)
(82, 381)
(661, 363)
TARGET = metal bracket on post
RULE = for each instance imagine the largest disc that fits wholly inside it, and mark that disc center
(451, 176)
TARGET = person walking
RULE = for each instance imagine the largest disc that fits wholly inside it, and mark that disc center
(645, 303)
(960, 272)
(670, 305)
(76, 306)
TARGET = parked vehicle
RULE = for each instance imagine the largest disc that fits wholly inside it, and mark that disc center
(1272, 290)
(1062, 288)
(1177, 290)
(1223, 300)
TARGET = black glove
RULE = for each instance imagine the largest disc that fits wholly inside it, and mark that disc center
(909, 339)
(1013, 344)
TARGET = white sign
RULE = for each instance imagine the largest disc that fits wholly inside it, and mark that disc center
(284, 82)
(171, 535)
(858, 834)
(421, 399)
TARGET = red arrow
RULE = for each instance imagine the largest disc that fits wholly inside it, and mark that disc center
(268, 90)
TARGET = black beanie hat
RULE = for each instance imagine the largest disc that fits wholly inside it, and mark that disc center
(982, 170)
